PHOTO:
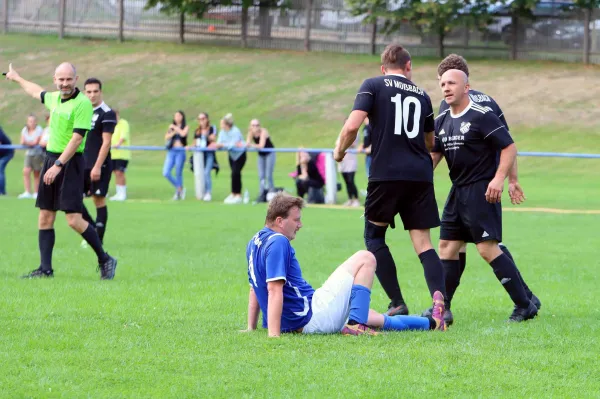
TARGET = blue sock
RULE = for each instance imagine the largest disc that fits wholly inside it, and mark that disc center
(360, 300)
(399, 323)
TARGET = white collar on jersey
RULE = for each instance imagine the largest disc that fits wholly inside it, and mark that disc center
(99, 106)
(396, 74)
(464, 111)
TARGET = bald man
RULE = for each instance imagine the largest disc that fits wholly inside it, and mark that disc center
(469, 137)
(61, 187)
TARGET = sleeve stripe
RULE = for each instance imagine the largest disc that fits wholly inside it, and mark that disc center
(500, 115)
(431, 114)
(499, 127)
(364, 92)
(109, 121)
(276, 278)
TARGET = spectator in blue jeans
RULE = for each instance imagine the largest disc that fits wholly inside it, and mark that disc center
(230, 137)
(258, 137)
(5, 156)
(208, 134)
(176, 138)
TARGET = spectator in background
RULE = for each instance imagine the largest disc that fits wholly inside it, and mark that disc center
(120, 158)
(348, 169)
(230, 137)
(308, 177)
(366, 146)
(45, 135)
(258, 137)
(208, 134)
(34, 156)
(5, 156)
(176, 138)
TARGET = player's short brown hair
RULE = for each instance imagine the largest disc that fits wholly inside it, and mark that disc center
(280, 206)
(453, 61)
(395, 57)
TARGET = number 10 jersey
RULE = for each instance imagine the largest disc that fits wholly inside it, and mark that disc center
(400, 113)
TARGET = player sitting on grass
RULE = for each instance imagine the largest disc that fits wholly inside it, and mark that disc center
(290, 304)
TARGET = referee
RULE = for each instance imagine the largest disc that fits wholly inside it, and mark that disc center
(61, 187)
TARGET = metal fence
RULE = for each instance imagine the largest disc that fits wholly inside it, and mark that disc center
(315, 25)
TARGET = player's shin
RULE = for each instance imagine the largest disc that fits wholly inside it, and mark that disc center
(434, 271)
(506, 272)
(452, 274)
(507, 253)
(386, 268)
(101, 220)
(87, 217)
(400, 323)
(91, 236)
(46, 239)
(360, 301)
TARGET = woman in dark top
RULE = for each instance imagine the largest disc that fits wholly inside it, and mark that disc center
(258, 137)
(176, 138)
(207, 133)
(5, 156)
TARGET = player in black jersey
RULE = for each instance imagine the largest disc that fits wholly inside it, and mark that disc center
(454, 274)
(98, 165)
(470, 136)
(401, 176)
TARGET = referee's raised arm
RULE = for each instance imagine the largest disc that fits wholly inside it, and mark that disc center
(33, 89)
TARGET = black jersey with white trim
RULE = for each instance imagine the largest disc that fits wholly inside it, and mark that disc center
(400, 113)
(104, 120)
(470, 142)
(485, 101)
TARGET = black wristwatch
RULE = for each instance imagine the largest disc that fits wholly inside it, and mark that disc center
(58, 163)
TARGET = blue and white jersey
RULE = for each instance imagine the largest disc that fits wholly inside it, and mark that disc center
(271, 257)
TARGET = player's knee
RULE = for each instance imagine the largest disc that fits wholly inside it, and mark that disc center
(489, 250)
(463, 248)
(45, 220)
(446, 249)
(72, 222)
(367, 259)
(99, 202)
(374, 237)
(26, 171)
(421, 240)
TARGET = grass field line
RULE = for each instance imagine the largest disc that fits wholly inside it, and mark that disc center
(342, 207)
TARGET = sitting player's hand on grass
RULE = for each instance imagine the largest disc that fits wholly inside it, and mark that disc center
(516, 193)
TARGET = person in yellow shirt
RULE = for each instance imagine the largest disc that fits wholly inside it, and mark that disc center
(120, 157)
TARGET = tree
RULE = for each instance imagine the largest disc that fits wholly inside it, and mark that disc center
(197, 9)
(427, 16)
(519, 10)
(587, 6)
(181, 8)
(372, 10)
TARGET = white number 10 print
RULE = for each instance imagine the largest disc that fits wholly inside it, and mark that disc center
(402, 115)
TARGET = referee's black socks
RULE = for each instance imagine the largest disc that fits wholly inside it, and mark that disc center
(434, 271)
(91, 236)
(86, 216)
(101, 219)
(46, 240)
(506, 272)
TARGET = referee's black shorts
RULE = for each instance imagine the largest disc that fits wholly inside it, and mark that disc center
(468, 217)
(98, 188)
(65, 193)
(413, 200)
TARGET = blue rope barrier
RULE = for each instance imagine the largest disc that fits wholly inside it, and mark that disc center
(192, 149)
